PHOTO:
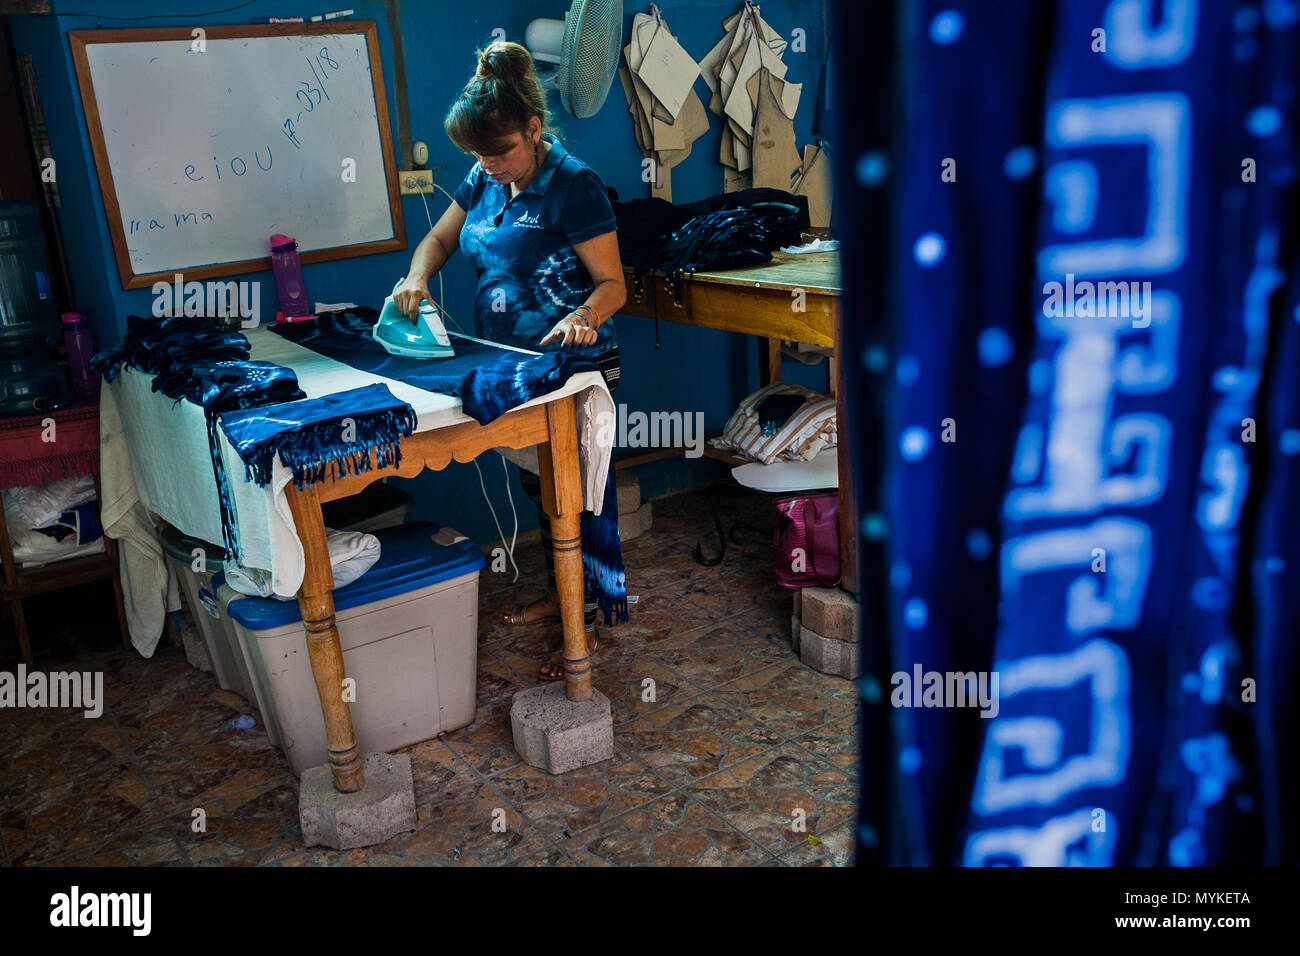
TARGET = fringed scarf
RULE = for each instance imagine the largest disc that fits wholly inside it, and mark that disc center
(489, 382)
(162, 345)
(322, 438)
(602, 556)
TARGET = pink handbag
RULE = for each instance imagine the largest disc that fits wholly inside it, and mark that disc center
(807, 540)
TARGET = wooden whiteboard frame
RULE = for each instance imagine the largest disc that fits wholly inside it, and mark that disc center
(79, 40)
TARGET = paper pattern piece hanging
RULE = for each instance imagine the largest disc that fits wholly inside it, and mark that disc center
(658, 81)
(742, 65)
(745, 75)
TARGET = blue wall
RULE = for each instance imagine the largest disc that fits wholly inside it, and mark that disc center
(692, 370)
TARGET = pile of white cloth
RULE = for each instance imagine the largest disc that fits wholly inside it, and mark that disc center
(30, 510)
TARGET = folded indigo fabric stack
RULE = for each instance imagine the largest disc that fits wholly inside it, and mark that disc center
(164, 344)
(194, 359)
(726, 231)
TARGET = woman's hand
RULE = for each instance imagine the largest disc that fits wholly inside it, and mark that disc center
(409, 294)
(572, 330)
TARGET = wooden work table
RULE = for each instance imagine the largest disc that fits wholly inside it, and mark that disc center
(793, 297)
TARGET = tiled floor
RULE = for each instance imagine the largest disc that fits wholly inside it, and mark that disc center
(732, 742)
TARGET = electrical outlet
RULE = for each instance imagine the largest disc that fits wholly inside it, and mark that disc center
(414, 181)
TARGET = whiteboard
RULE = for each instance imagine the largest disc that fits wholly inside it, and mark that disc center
(205, 149)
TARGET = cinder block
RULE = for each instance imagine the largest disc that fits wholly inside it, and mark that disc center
(798, 600)
(827, 654)
(830, 612)
(380, 810)
(196, 649)
(795, 627)
(556, 734)
(635, 524)
(629, 491)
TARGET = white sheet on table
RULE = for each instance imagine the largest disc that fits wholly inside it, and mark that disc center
(176, 481)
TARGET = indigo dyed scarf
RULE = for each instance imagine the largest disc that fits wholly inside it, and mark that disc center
(1111, 528)
(221, 386)
(321, 438)
(163, 344)
(602, 556)
(489, 382)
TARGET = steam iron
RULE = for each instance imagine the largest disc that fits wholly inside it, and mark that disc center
(425, 338)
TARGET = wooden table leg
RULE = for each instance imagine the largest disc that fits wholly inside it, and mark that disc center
(562, 500)
(316, 601)
(769, 361)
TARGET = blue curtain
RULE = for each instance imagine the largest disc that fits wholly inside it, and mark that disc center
(1077, 426)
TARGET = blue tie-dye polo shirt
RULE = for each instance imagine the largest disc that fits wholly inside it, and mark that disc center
(529, 276)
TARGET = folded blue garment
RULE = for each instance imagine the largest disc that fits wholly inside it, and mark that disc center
(320, 438)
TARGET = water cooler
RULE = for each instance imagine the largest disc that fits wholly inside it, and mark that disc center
(30, 380)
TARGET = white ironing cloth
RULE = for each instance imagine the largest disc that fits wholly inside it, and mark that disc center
(163, 461)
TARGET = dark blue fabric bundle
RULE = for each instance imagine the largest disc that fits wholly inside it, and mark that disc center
(224, 385)
(320, 438)
(489, 381)
(162, 344)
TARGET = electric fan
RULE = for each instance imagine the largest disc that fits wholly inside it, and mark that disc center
(585, 47)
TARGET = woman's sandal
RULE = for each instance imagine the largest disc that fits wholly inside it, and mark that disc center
(557, 659)
(519, 616)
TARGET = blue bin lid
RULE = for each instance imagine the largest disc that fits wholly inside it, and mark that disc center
(409, 559)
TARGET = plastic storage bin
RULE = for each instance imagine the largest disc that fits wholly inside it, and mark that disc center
(409, 632)
(201, 589)
(378, 506)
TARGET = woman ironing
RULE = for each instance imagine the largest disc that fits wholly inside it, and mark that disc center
(537, 224)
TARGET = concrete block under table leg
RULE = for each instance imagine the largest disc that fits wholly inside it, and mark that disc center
(828, 655)
(636, 523)
(556, 734)
(830, 612)
(381, 809)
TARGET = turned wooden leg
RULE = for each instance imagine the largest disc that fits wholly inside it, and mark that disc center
(316, 601)
(562, 500)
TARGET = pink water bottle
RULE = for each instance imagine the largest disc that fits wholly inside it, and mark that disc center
(288, 276)
(81, 346)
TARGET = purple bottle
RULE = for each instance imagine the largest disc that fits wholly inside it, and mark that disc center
(81, 346)
(288, 276)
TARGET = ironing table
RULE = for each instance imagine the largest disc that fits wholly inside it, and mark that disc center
(162, 461)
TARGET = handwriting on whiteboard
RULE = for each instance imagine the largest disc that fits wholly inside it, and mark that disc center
(320, 66)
